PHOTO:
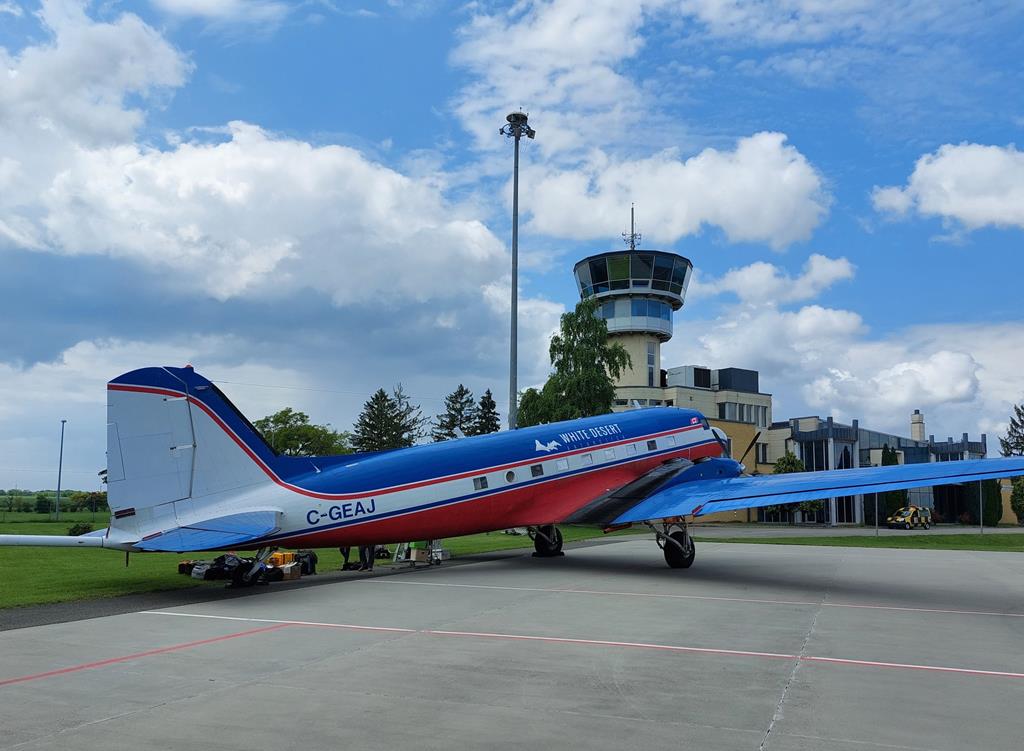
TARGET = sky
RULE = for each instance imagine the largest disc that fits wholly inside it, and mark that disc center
(309, 200)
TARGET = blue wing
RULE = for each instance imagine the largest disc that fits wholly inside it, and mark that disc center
(707, 496)
(215, 534)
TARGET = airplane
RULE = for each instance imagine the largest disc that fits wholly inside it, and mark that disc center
(186, 471)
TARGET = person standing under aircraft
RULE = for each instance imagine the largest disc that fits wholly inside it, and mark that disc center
(345, 552)
(366, 557)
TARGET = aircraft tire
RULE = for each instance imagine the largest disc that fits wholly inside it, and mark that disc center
(545, 549)
(676, 558)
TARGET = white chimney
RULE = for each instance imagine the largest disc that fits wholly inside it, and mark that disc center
(917, 426)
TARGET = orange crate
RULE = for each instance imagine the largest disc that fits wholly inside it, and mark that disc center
(281, 558)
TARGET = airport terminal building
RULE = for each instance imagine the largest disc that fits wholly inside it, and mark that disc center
(639, 290)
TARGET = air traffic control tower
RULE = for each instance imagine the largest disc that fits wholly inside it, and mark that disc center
(637, 292)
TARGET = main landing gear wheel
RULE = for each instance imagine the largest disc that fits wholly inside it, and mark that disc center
(679, 550)
(547, 542)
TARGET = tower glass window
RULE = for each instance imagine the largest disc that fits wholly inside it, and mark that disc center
(651, 355)
(641, 267)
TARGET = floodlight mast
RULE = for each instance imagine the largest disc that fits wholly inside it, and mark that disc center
(517, 127)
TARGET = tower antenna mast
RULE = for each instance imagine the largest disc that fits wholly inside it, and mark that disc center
(633, 237)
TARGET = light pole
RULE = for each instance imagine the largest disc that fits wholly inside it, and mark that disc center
(60, 466)
(516, 128)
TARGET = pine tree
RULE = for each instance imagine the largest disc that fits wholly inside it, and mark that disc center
(375, 427)
(458, 417)
(486, 419)
(1012, 444)
(388, 421)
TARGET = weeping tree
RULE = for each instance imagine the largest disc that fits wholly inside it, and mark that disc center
(585, 367)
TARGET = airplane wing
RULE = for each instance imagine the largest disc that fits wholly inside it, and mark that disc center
(683, 489)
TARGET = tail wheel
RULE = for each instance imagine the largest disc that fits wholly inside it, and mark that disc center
(548, 541)
(679, 555)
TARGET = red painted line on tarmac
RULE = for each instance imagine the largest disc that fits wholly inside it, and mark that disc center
(136, 656)
(664, 596)
(606, 643)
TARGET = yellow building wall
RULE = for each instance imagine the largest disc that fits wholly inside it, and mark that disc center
(740, 435)
(1008, 516)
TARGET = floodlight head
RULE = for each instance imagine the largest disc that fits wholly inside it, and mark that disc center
(517, 118)
(530, 132)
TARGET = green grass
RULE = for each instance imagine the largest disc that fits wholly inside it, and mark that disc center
(999, 542)
(34, 576)
(98, 519)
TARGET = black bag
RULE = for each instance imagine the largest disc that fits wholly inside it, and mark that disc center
(307, 561)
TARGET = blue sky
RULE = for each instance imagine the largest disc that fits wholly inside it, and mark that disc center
(308, 200)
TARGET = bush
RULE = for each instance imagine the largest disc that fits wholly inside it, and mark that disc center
(1017, 498)
(81, 528)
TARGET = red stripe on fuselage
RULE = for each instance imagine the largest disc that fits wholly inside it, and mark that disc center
(546, 503)
(395, 488)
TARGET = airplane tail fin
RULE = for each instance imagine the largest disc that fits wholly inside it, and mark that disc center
(173, 438)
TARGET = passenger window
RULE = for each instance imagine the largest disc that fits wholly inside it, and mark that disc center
(510, 476)
(652, 445)
(670, 440)
(480, 483)
(586, 460)
(631, 450)
(609, 453)
(537, 470)
(562, 464)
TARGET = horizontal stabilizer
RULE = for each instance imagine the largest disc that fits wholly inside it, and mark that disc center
(709, 496)
(52, 541)
(214, 534)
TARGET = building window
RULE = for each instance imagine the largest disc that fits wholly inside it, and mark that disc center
(510, 476)
(562, 464)
(651, 353)
(620, 403)
(609, 454)
(607, 310)
(652, 445)
(537, 470)
(762, 453)
(480, 483)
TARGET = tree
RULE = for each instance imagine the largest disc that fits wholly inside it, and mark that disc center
(291, 433)
(585, 366)
(785, 464)
(486, 419)
(388, 421)
(43, 503)
(458, 416)
(1012, 444)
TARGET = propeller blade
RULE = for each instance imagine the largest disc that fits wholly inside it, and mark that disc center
(752, 442)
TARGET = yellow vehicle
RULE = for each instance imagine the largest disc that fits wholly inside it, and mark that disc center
(909, 517)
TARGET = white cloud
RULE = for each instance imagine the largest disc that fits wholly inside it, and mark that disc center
(11, 9)
(255, 11)
(811, 21)
(74, 85)
(973, 184)
(262, 213)
(764, 190)
(761, 282)
(248, 213)
(558, 60)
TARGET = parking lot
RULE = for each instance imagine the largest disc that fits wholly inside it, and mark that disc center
(756, 646)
